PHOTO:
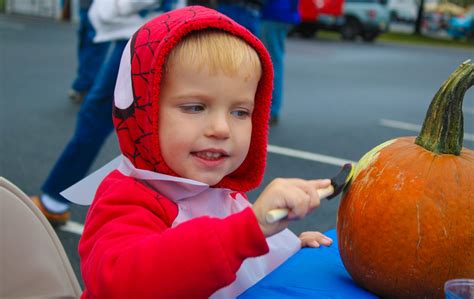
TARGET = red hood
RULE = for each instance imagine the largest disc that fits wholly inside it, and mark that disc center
(137, 91)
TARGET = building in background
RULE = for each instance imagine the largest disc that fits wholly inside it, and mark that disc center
(55, 9)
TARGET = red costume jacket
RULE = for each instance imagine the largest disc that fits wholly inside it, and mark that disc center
(129, 251)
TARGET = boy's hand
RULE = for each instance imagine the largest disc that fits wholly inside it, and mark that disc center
(314, 239)
(297, 195)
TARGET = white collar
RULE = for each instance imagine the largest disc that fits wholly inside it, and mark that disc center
(172, 187)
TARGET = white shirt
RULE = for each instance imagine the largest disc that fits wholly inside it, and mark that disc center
(119, 19)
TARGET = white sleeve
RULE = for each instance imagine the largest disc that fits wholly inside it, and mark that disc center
(109, 10)
(128, 7)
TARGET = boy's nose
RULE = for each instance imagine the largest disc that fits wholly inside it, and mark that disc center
(218, 127)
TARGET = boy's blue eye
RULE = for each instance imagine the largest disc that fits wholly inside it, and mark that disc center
(240, 113)
(192, 108)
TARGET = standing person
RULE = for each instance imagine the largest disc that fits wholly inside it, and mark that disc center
(191, 113)
(206, 3)
(244, 12)
(90, 55)
(277, 15)
(114, 21)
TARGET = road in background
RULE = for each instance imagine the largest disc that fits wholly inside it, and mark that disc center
(341, 100)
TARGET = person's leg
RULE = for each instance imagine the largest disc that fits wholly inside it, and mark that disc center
(273, 35)
(250, 19)
(90, 55)
(94, 124)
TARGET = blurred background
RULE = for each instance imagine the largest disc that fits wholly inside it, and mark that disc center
(351, 18)
(357, 73)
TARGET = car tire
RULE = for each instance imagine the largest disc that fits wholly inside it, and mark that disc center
(307, 30)
(350, 29)
(369, 36)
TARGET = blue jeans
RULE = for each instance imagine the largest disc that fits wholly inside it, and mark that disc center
(273, 36)
(250, 19)
(94, 124)
(90, 54)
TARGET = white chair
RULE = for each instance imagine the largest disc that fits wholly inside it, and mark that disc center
(33, 263)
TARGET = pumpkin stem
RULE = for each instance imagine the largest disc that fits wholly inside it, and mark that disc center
(443, 131)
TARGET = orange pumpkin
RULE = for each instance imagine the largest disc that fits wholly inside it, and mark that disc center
(406, 223)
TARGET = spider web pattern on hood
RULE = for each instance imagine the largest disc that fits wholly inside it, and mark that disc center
(136, 99)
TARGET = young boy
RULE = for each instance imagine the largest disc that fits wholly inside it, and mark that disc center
(191, 112)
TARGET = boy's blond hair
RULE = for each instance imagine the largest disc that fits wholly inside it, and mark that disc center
(217, 50)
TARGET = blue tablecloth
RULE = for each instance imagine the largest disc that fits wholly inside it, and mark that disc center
(310, 273)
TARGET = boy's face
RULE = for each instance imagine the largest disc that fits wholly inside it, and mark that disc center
(205, 121)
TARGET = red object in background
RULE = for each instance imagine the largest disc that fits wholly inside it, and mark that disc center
(311, 9)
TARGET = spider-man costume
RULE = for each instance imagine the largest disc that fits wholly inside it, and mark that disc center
(151, 234)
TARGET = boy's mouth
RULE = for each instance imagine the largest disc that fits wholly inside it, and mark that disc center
(210, 155)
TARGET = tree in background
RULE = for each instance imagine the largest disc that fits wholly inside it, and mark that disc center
(421, 13)
(463, 3)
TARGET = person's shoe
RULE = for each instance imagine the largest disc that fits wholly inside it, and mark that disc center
(56, 219)
(273, 120)
(76, 96)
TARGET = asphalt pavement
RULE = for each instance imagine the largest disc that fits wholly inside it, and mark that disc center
(341, 100)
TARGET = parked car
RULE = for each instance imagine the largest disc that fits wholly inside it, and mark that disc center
(403, 10)
(462, 26)
(316, 13)
(364, 18)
